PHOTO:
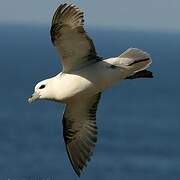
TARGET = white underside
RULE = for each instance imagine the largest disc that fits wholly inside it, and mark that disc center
(91, 79)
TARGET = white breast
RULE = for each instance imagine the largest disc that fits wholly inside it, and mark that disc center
(88, 80)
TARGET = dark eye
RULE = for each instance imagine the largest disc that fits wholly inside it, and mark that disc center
(42, 86)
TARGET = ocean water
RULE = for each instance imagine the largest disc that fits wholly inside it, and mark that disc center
(138, 120)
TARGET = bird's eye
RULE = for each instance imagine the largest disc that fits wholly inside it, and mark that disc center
(42, 86)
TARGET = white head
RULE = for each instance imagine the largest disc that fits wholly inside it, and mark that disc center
(41, 91)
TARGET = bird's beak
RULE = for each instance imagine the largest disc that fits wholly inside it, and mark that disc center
(33, 98)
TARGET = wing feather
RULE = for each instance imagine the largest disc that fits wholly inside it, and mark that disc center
(69, 37)
(80, 131)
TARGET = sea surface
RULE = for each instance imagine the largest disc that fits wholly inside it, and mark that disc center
(138, 120)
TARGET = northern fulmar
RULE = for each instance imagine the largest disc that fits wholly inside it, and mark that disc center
(84, 77)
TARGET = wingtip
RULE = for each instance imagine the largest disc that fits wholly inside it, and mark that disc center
(76, 170)
(78, 173)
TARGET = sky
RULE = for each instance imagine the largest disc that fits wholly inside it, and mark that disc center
(120, 14)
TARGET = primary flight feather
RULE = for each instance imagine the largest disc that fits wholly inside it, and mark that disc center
(83, 78)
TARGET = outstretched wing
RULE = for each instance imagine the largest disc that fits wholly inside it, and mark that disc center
(70, 38)
(80, 131)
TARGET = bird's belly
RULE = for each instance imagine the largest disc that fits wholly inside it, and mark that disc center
(73, 85)
(91, 79)
(104, 74)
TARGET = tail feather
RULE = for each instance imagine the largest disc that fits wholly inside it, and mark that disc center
(135, 54)
(135, 58)
(141, 74)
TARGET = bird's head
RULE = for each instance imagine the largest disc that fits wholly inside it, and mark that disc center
(40, 91)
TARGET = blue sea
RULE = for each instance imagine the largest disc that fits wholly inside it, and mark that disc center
(138, 120)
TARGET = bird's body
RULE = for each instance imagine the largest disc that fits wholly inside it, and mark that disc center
(88, 80)
(84, 77)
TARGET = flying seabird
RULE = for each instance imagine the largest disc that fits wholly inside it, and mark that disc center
(84, 77)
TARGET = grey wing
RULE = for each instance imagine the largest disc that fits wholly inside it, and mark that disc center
(70, 38)
(80, 130)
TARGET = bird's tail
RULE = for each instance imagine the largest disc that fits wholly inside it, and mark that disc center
(141, 74)
(135, 60)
